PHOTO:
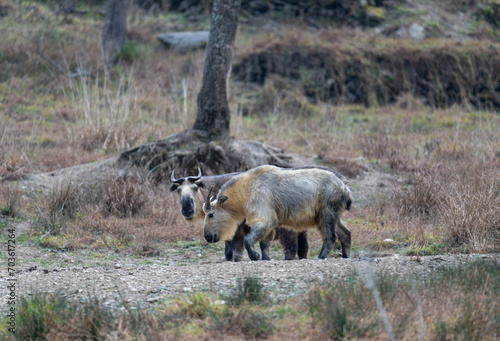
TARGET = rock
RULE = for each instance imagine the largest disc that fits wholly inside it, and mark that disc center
(416, 32)
(185, 41)
(153, 299)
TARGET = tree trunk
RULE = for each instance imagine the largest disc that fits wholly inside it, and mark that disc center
(213, 116)
(114, 33)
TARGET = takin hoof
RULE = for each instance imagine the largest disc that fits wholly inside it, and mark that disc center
(254, 256)
(266, 257)
(238, 257)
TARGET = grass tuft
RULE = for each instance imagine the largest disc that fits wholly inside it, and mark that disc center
(60, 204)
(250, 290)
(10, 200)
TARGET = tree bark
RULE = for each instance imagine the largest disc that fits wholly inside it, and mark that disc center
(114, 33)
(213, 115)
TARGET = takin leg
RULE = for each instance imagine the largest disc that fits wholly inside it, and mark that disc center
(327, 229)
(257, 233)
(288, 241)
(264, 245)
(345, 238)
(302, 245)
(237, 243)
(228, 250)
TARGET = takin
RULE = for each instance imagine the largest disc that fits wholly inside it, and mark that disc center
(268, 197)
(192, 192)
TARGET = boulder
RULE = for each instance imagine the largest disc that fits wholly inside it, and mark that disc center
(185, 41)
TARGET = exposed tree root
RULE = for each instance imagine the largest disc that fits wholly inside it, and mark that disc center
(186, 151)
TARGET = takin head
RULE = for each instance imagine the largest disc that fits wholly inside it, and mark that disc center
(190, 196)
(219, 221)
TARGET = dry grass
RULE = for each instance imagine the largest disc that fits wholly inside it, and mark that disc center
(102, 118)
(156, 222)
(461, 202)
(470, 212)
(10, 200)
(60, 204)
(421, 195)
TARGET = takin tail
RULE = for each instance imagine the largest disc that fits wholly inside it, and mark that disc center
(347, 197)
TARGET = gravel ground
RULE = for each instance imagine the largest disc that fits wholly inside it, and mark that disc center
(130, 279)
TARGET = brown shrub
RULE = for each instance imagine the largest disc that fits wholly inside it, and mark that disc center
(463, 198)
(62, 199)
(59, 204)
(123, 197)
(471, 209)
(10, 199)
(421, 196)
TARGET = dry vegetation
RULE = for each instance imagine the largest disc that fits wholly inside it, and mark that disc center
(443, 159)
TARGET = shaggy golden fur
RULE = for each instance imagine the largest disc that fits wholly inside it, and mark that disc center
(269, 197)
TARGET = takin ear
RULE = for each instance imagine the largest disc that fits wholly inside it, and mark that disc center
(201, 184)
(173, 187)
(222, 199)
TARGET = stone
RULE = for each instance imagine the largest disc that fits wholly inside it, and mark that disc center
(185, 41)
(416, 32)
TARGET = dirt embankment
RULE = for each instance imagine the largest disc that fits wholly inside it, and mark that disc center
(378, 72)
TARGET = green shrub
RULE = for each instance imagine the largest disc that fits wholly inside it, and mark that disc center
(249, 290)
(131, 51)
(40, 313)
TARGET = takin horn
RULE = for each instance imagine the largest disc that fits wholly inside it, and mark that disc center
(207, 205)
(174, 180)
(192, 179)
